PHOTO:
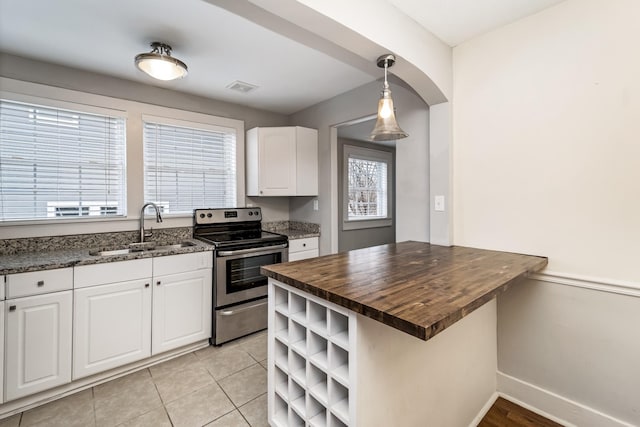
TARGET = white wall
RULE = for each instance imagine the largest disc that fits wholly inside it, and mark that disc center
(412, 160)
(443, 382)
(546, 161)
(546, 126)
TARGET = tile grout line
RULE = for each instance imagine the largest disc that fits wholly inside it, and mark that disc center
(164, 406)
(93, 403)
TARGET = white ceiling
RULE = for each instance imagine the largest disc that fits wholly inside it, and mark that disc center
(218, 46)
(455, 21)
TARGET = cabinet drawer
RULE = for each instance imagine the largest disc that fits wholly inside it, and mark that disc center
(295, 256)
(173, 264)
(39, 282)
(111, 272)
(297, 245)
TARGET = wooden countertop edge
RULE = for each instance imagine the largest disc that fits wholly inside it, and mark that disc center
(423, 332)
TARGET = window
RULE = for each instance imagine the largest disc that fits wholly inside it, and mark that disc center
(60, 163)
(189, 165)
(367, 196)
(367, 186)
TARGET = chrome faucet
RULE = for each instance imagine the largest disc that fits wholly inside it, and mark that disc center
(144, 234)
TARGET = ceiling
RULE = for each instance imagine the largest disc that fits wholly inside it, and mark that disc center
(455, 21)
(218, 46)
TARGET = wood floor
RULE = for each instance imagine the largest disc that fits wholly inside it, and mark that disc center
(506, 414)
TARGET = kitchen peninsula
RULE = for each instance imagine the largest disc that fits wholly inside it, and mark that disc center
(347, 334)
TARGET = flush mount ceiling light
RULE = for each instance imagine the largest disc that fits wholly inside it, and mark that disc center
(159, 63)
(386, 128)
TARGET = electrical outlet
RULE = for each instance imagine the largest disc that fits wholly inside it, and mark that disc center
(439, 204)
(315, 205)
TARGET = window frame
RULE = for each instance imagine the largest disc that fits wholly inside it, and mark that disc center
(82, 108)
(362, 153)
(132, 110)
(206, 123)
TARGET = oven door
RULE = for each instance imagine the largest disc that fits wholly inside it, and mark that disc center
(237, 274)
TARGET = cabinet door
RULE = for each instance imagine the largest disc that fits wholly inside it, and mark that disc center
(2, 350)
(306, 161)
(112, 326)
(296, 256)
(38, 343)
(277, 161)
(181, 309)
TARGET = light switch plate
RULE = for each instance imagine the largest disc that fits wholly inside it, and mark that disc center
(439, 203)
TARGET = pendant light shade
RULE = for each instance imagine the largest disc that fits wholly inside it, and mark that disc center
(159, 63)
(386, 128)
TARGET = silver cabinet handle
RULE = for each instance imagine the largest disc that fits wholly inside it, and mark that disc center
(40, 283)
(253, 250)
(12, 308)
(240, 310)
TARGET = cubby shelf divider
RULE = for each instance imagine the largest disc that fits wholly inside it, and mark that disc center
(311, 369)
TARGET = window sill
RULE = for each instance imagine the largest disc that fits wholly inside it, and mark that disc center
(366, 223)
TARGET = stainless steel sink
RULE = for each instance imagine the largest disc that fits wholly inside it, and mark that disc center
(113, 252)
(135, 248)
(175, 246)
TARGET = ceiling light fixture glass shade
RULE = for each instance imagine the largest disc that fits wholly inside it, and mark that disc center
(386, 128)
(159, 63)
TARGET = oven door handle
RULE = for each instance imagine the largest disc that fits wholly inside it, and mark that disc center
(252, 250)
(239, 310)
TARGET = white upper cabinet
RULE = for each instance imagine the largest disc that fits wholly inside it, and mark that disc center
(282, 161)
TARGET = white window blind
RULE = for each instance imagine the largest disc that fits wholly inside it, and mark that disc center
(367, 189)
(189, 167)
(59, 163)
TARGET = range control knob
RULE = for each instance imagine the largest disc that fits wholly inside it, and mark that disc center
(256, 212)
(250, 213)
(201, 215)
(209, 215)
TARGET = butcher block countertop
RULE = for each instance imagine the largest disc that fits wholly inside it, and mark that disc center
(416, 287)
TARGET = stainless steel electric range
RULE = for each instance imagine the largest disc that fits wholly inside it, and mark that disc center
(241, 247)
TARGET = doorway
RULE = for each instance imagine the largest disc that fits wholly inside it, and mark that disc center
(366, 187)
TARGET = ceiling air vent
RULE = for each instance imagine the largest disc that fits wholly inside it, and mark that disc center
(242, 87)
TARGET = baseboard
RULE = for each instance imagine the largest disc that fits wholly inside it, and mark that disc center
(551, 405)
(484, 410)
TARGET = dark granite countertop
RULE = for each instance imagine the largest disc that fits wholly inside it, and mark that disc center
(293, 229)
(415, 287)
(293, 234)
(35, 261)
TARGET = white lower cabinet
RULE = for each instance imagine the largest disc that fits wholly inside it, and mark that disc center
(38, 343)
(303, 248)
(167, 306)
(112, 326)
(71, 323)
(181, 309)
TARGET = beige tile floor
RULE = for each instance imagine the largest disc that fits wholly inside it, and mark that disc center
(217, 386)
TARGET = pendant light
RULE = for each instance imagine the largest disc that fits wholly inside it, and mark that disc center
(159, 63)
(386, 128)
